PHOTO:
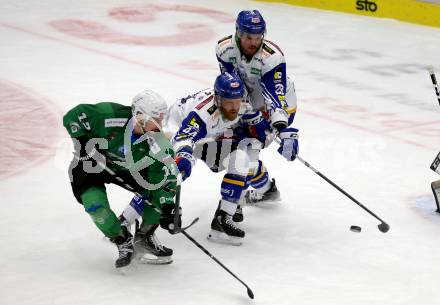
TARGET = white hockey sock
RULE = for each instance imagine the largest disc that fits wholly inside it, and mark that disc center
(264, 188)
(228, 207)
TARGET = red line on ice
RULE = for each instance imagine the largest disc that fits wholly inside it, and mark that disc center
(29, 128)
(183, 76)
(107, 54)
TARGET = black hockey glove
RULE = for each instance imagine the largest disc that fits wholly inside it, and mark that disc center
(167, 219)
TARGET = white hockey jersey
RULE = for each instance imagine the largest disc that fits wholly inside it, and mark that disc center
(196, 117)
(267, 84)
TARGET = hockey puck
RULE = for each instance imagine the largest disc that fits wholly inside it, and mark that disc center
(355, 229)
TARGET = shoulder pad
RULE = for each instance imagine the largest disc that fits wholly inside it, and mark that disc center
(268, 49)
(204, 102)
(224, 40)
(206, 108)
(271, 47)
(271, 56)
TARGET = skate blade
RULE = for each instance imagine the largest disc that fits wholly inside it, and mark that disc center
(223, 238)
(268, 202)
(264, 203)
(126, 269)
(151, 259)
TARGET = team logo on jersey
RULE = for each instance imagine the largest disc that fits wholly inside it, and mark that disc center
(277, 75)
(255, 71)
(233, 60)
(122, 150)
(193, 122)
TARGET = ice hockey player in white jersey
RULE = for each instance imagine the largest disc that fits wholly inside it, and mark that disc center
(202, 127)
(261, 65)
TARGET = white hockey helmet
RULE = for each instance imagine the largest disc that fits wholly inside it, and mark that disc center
(148, 105)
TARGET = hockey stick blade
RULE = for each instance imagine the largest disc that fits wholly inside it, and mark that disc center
(249, 291)
(383, 227)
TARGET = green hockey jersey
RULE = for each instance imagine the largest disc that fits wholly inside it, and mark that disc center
(149, 158)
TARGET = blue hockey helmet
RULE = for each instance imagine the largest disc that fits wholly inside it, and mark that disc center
(250, 22)
(229, 85)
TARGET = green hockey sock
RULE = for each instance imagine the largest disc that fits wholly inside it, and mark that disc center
(150, 216)
(96, 205)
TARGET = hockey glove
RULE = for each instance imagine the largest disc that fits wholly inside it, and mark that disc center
(289, 143)
(239, 133)
(185, 161)
(167, 219)
(256, 125)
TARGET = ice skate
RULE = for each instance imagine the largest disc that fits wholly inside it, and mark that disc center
(224, 230)
(271, 195)
(150, 249)
(238, 215)
(125, 247)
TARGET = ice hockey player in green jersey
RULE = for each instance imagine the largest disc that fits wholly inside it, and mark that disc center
(123, 145)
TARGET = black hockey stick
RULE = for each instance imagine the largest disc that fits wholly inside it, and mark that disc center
(434, 82)
(249, 291)
(177, 228)
(177, 211)
(128, 187)
(182, 230)
(383, 226)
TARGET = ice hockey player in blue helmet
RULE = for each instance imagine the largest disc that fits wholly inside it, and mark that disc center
(201, 126)
(261, 65)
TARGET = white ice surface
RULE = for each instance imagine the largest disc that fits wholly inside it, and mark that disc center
(368, 119)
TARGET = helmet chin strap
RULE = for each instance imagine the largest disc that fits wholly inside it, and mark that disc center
(141, 125)
(159, 128)
(142, 128)
(145, 121)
